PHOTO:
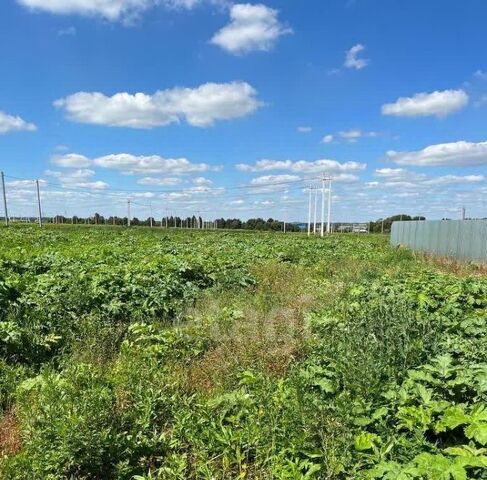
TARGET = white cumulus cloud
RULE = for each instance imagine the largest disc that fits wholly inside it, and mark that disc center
(303, 166)
(352, 60)
(251, 27)
(454, 179)
(160, 182)
(200, 107)
(438, 103)
(273, 179)
(391, 172)
(80, 178)
(71, 160)
(202, 181)
(112, 10)
(151, 164)
(399, 174)
(25, 183)
(10, 123)
(444, 154)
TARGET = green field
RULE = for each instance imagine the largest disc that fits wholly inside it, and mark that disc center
(165, 354)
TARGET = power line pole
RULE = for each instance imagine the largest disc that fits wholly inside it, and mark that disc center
(150, 208)
(4, 199)
(39, 203)
(322, 205)
(328, 226)
(128, 212)
(309, 212)
(316, 206)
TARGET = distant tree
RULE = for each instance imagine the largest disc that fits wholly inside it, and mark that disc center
(385, 224)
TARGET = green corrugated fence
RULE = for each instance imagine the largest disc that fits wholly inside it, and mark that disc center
(460, 239)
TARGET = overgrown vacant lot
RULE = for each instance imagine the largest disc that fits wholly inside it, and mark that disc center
(154, 354)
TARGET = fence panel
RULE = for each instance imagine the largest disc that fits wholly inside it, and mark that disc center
(460, 239)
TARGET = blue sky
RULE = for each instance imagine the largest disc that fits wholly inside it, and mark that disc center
(234, 109)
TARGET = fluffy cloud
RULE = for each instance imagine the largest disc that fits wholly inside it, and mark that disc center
(344, 177)
(71, 160)
(302, 166)
(444, 154)
(391, 172)
(112, 10)
(304, 129)
(200, 107)
(402, 179)
(251, 27)
(351, 136)
(202, 181)
(352, 60)
(202, 189)
(160, 182)
(25, 183)
(143, 195)
(198, 192)
(81, 178)
(9, 123)
(354, 134)
(399, 175)
(274, 179)
(437, 103)
(153, 164)
(455, 179)
(272, 183)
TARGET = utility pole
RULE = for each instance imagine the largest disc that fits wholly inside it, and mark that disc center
(322, 205)
(316, 206)
(382, 227)
(128, 212)
(39, 203)
(463, 213)
(328, 226)
(150, 208)
(309, 212)
(4, 199)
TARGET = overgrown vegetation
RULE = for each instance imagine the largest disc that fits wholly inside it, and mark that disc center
(158, 354)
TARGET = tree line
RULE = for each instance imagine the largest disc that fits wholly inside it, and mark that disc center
(383, 225)
(177, 222)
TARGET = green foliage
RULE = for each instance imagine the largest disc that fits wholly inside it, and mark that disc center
(102, 338)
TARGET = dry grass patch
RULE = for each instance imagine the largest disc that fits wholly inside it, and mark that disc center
(269, 334)
(9, 434)
(453, 266)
